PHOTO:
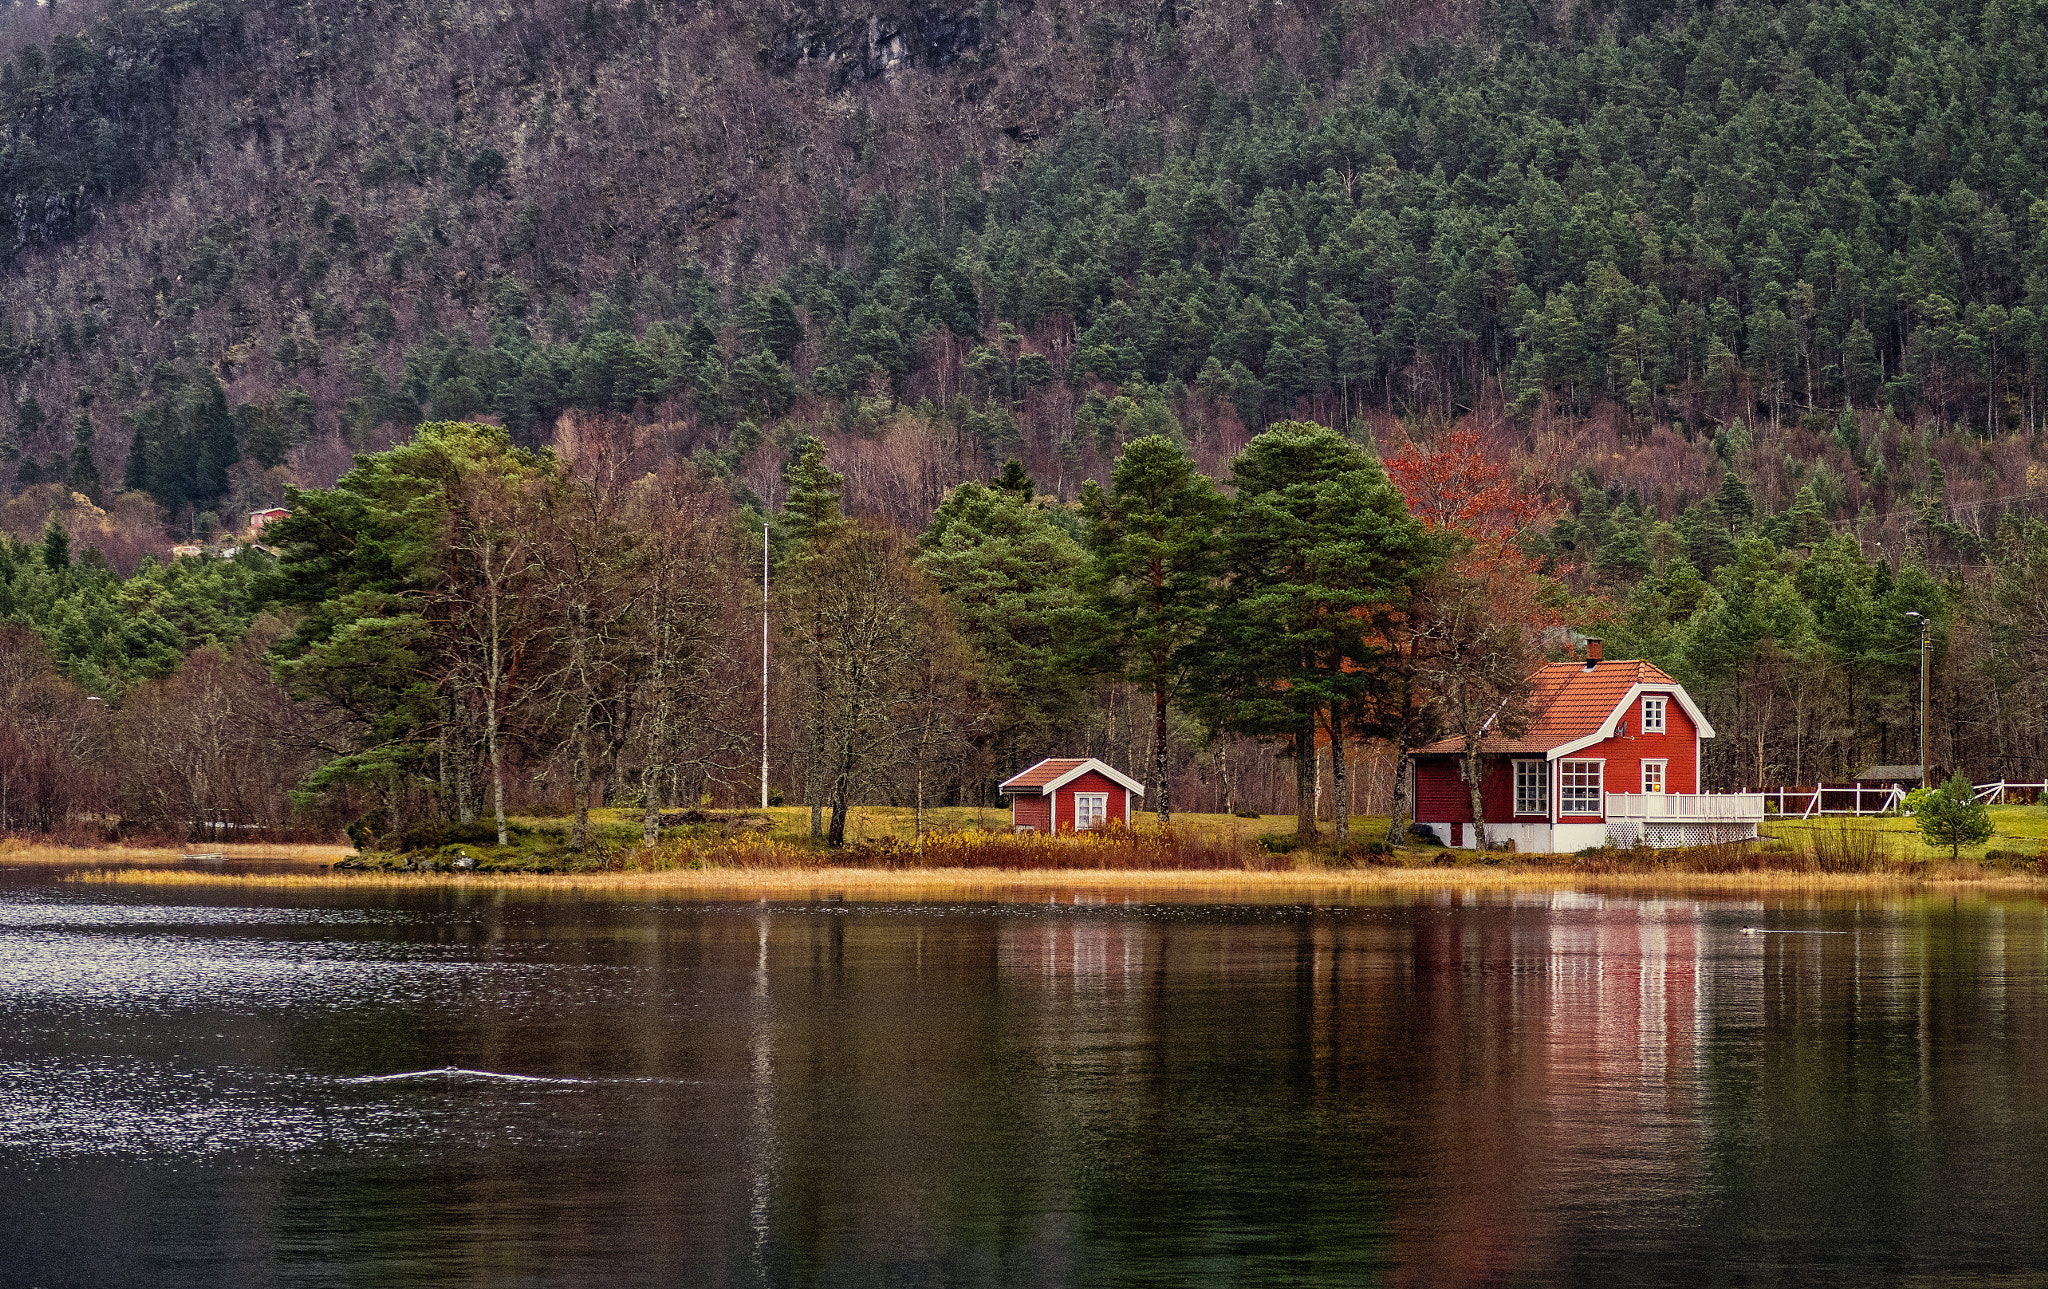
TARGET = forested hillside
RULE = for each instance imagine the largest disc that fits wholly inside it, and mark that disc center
(1749, 301)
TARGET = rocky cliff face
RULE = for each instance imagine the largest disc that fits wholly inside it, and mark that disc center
(864, 44)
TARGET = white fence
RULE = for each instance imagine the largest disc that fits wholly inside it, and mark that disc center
(1869, 799)
(1687, 807)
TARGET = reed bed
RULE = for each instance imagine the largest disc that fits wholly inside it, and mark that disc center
(14, 850)
(1301, 885)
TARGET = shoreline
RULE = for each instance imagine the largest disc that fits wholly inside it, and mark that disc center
(831, 885)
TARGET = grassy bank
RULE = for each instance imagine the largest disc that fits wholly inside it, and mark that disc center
(750, 855)
(1299, 885)
(16, 851)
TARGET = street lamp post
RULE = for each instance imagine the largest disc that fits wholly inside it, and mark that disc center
(1926, 626)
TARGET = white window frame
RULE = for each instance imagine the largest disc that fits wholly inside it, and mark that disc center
(1565, 788)
(1083, 800)
(1660, 768)
(1654, 709)
(1532, 788)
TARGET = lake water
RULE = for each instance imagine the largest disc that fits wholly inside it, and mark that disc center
(464, 1087)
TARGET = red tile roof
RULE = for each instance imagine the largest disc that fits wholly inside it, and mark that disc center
(1570, 701)
(1054, 770)
(1043, 773)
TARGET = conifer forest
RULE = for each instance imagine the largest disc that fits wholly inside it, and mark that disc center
(1245, 394)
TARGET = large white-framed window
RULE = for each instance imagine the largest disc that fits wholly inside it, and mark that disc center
(1091, 810)
(1653, 776)
(1532, 787)
(1578, 787)
(1653, 714)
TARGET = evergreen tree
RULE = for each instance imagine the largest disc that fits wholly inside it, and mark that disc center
(1015, 481)
(1012, 577)
(85, 470)
(1952, 816)
(1734, 502)
(1319, 552)
(56, 547)
(1157, 553)
(811, 509)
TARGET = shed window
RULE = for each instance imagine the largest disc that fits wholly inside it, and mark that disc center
(1653, 716)
(1579, 787)
(1532, 787)
(1091, 809)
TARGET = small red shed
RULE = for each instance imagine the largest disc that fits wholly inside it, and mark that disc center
(1067, 794)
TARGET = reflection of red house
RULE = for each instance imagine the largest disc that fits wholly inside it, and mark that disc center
(1611, 755)
(1064, 794)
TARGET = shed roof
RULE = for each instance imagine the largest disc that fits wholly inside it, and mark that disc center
(1885, 772)
(1573, 704)
(1054, 773)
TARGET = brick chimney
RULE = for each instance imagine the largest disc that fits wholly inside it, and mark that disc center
(1592, 654)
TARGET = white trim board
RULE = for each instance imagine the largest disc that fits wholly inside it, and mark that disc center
(1047, 789)
(1627, 704)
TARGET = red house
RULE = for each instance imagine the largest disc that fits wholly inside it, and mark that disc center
(1612, 754)
(1067, 794)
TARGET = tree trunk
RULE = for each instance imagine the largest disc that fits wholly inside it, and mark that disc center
(1472, 772)
(1397, 830)
(1165, 802)
(494, 677)
(1305, 781)
(1223, 772)
(579, 833)
(842, 792)
(650, 809)
(1342, 799)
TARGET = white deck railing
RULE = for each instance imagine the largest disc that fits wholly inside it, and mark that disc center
(1708, 807)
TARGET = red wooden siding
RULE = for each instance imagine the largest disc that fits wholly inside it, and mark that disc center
(1032, 811)
(1063, 799)
(1678, 746)
(1441, 797)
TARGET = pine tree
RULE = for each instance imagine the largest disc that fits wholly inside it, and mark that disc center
(85, 470)
(1157, 556)
(1015, 481)
(1320, 550)
(812, 507)
(1952, 816)
(1734, 502)
(56, 547)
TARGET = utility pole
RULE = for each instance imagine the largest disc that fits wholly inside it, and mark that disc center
(1926, 628)
(764, 664)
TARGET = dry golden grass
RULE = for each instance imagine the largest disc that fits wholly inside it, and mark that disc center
(872, 824)
(1302, 885)
(15, 851)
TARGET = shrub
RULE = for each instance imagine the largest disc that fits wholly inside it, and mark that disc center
(1952, 816)
(1845, 849)
(1113, 847)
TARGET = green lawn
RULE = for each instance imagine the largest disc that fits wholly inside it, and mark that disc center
(2014, 828)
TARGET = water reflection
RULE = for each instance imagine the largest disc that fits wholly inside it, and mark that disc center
(485, 1088)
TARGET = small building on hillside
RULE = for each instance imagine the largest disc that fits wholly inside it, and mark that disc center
(1611, 754)
(259, 519)
(1069, 794)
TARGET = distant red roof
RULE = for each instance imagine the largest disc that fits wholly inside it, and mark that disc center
(1572, 702)
(1054, 772)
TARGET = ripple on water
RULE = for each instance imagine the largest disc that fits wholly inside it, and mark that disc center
(65, 1110)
